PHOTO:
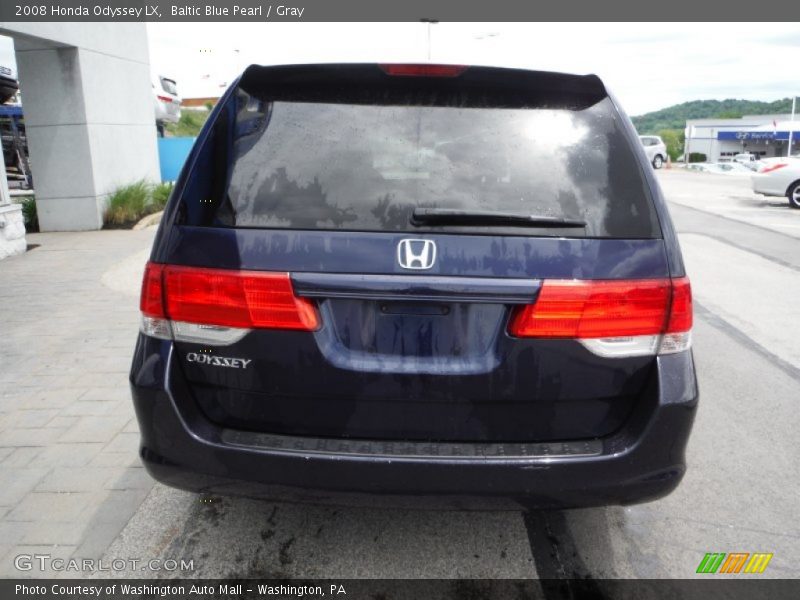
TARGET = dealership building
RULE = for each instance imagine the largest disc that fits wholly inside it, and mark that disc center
(721, 139)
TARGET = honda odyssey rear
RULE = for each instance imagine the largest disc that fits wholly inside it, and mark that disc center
(454, 284)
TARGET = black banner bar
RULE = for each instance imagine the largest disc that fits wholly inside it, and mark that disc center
(402, 10)
(711, 588)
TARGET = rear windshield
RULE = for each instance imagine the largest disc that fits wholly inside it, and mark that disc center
(326, 165)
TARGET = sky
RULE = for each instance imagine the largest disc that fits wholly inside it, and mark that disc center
(647, 66)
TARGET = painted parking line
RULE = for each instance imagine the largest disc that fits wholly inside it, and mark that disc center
(786, 225)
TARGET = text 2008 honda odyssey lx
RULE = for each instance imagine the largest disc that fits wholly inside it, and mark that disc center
(430, 281)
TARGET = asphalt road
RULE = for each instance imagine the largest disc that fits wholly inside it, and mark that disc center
(740, 493)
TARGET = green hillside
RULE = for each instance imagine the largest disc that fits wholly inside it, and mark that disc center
(674, 117)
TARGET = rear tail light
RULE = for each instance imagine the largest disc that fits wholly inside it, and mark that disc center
(244, 299)
(151, 302)
(423, 70)
(678, 334)
(774, 167)
(218, 306)
(611, 318)
(166, 99)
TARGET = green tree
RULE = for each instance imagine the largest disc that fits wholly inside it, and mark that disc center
(674, 117)
(674, 139)
(729, 114)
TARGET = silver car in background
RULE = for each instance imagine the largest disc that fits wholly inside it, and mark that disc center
(655, 149)
(779, 177)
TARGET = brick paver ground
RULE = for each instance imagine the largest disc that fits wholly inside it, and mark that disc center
(70, 477)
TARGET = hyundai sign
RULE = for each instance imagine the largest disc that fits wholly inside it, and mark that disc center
(745, 136)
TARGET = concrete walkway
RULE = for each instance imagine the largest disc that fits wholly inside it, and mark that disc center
(71, 477)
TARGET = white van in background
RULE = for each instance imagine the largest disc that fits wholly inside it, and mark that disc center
(749, 160)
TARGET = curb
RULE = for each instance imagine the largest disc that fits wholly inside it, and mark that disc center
(149, 221)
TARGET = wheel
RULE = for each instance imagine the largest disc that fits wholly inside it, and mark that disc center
(794, 195)
(658, 161)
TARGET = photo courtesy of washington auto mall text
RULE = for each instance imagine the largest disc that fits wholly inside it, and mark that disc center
(166, 589)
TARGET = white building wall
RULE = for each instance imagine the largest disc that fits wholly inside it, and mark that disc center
(704, 136)
(88, 114)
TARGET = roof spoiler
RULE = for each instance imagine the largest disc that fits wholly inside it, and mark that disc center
(371, 83)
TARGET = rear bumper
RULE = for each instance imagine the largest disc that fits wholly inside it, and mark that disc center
(643, 461)
(167, 113)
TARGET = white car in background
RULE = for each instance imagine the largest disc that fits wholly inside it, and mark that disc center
(655, 149)
(747, 159)
(779, 177)
(166, 101)
(721, 168)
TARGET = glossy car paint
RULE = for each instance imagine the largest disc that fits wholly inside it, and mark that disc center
(772, 181)
(392, 397)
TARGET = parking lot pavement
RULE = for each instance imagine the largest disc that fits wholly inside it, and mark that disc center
(739, 493)
(745, 274)
(730, 196)
(68, 437)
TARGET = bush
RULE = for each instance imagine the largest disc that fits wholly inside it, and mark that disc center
(697, 157)
(129, 203)
(160, 195)
(29, 214)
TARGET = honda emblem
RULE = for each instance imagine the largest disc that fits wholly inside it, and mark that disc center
(416, 254)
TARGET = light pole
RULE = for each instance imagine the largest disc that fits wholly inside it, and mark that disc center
(791, 129)
(429, 22)
(687, 138)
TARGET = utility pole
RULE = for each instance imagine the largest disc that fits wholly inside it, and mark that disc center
(687, 137)
(429, 22)
(791, 129)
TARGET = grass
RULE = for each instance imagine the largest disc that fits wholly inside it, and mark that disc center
(160, 194)
(129, 203)
(190, 123)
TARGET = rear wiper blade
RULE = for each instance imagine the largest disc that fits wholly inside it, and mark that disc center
(452, 216)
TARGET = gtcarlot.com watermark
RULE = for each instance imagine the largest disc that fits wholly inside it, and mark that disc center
(46, 562)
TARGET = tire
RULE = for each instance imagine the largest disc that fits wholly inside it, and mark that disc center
(658, 161)
(794, 195)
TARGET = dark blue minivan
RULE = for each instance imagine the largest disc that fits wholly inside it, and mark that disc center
(454, 285)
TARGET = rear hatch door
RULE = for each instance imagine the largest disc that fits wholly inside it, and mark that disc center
(378, 193)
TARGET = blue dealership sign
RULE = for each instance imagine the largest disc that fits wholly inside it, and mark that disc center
(745, 136)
